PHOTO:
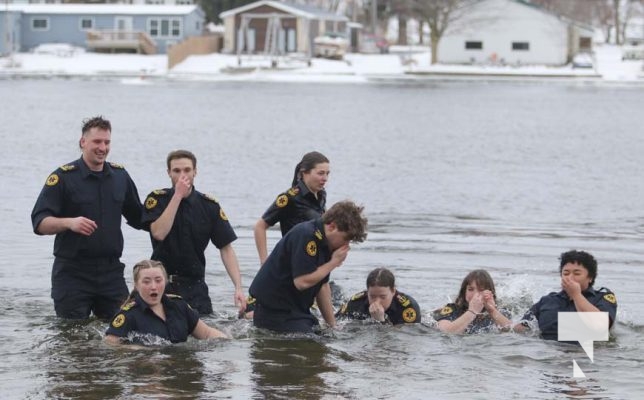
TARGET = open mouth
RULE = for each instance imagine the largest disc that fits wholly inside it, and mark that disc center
(154, 295)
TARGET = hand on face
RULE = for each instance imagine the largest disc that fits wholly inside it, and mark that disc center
(488, 300)
(570, 286)
(377, 311)
(476, 303)
(183, 186)
(340, 254)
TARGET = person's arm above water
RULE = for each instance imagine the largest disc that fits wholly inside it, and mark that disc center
(325, 305)
(204, 331)
(160, 228)
(229, 258)
(259, 233)
(306, 281)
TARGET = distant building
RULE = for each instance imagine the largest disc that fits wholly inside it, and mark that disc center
(513, 32)
(296, 28)
(100, 27)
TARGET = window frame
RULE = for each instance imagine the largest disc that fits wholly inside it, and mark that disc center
(47, 23)
(469, 43)
(80, 23)
(518, 46)
(159, 22)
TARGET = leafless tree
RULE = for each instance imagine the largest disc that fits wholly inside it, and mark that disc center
(439, 15)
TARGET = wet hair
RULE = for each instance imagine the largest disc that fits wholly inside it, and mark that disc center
(174, 155)
(96, 122)
(582, 258)
(308, 162)
(381, 277)
(347, 216)
(136, 271)
(482, 279)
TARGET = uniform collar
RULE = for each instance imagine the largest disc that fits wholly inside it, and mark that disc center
(307, 192)
(85, 171)
(165, 301)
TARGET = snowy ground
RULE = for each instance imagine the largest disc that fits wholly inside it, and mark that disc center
(401, 63)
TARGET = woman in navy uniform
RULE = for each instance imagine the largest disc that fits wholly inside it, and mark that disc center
(381, 301)
(304, 201)
(150, 311)
(475, 309)
(578, 270)
(298, 269)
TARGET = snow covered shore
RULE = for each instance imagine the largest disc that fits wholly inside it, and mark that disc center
(402, 63)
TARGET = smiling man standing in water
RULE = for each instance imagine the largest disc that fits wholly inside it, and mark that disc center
(82, 203)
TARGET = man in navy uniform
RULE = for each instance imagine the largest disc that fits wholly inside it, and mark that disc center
(82, 203)
(298, 269)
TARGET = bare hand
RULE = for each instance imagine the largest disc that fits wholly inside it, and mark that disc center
(488, 301)
(82, 225)
(377, 311)
(340, 254)
(183, 186)
(476, 303)
(240, 300)
(570, 286)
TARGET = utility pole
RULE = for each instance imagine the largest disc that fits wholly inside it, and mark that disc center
(374, 15)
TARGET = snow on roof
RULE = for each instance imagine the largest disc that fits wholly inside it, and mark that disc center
(93, 9)
(308, 12)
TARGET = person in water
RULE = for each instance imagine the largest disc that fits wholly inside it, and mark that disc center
(475, 309)
(381, 301)
(149, 310)
(578, 270)
(298, 269)
(303, 201)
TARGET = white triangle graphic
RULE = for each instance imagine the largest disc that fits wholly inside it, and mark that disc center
(576, 371)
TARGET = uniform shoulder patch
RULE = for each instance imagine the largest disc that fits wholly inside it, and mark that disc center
(150, 203)
(447, 310)
(52, 180)
(118, 321)
(409, 314)
(610, 297)
(173, 296)
(128, 305)
(159, 192)
(281, 201)
(68, 167)
(293, 191)
(358, 296)
(403, 300)
(116, 165)
(210, 197)
(222, 214)
(312, 248)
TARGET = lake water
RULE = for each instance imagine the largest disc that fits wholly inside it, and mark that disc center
(454, 176)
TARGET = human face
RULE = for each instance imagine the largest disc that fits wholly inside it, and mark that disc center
(95, 145)
(335, 238)
(471, 289)
(577, 273)
(181, 167)
(381, 294)
(151, 285)
(316, 178)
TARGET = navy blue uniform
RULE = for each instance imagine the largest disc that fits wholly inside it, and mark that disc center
(87, 274)
(482, 323)
(546, 310)
(136, 316)
(199, 219)
(295, 205)
(403, 309)
(280, 306)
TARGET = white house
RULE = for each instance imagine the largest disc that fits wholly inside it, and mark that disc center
(513, 32)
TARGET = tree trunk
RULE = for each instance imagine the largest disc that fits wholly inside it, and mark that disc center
(421, 39)
(618, 39)
(434, 39)
(402, 31)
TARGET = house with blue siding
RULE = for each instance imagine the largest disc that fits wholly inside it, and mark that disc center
(99, 27)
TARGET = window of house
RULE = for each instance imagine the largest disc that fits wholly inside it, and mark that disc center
(521, 46)
(40, 24)
(178, 2)
(473, 45)
(86, 23)
(164, 27)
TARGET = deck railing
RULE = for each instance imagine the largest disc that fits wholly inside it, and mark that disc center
(113, 40)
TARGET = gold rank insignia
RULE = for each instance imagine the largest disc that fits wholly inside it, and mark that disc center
(282, 201)
(358, 296)
(68, 167)
(344, 308)
(403, 300)
(210, 197)
(150, 203)
(311, 248)
(409, 314)
(447, 310)
(159, 192)
(118, 321)
(115, 165)
(222, 214)
(128, 305)
(52, 180)
(251, 300)
(609, 297)
(293, 191)
(318, 234)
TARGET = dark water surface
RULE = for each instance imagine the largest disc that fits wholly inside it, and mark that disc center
(502, 176)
